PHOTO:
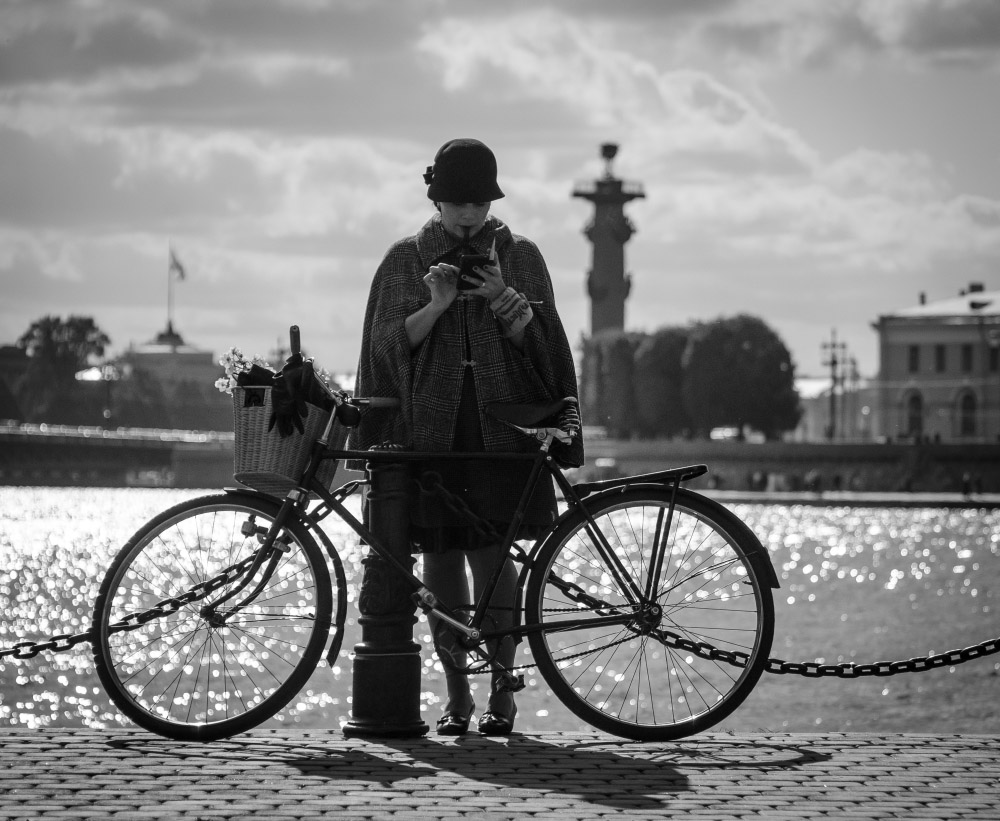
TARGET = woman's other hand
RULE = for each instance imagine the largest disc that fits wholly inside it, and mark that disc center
(442, 280)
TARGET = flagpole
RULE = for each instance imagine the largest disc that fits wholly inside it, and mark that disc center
(170, 290)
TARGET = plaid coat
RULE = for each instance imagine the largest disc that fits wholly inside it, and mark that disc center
(428, 380)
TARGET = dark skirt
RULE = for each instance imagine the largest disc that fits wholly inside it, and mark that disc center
(490, 489)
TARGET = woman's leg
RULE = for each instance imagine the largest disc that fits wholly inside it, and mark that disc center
(483, 562)
(444, 575)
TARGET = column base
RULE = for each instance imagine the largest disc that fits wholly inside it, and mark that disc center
(386, 700)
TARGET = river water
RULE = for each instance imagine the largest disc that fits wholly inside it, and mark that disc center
(857, 585)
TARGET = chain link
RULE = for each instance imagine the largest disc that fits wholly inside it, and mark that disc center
(885, 668)
(133, 621)
(813, 669)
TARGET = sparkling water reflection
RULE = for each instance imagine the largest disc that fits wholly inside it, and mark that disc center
(858, 584)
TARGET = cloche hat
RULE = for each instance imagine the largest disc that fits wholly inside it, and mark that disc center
(464, 170)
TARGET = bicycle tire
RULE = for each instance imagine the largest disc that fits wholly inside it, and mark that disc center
(626, 679)
(183, 674)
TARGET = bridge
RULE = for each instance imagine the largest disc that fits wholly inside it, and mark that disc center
(63, 455)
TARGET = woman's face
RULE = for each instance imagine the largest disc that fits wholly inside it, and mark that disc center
(457, 216)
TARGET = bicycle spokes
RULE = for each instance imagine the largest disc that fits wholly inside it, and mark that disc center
(205, 627)
(685, 653)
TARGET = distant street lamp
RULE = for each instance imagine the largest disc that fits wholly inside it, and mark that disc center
(835, 352)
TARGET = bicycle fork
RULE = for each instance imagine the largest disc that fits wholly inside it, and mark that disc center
(271, 550)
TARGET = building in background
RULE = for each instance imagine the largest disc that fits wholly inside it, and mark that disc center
(939, 369)
(855, 405)
(167, 383)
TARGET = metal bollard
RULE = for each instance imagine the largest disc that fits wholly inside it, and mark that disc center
(386, 675)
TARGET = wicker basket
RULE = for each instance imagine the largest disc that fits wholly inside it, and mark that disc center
(268, 462)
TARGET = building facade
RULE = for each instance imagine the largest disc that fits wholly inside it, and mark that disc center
(939, 371)
(170, 384)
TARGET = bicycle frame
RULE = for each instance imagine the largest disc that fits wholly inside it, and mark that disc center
(632, 572)
(541, 460)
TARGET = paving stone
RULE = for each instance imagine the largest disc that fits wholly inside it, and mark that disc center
(286, 774)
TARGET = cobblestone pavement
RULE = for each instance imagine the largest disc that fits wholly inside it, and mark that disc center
(57, 774)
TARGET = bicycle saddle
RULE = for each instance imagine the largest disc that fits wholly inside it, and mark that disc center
(530, 415)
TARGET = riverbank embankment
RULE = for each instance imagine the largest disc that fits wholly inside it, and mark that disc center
(49, 456)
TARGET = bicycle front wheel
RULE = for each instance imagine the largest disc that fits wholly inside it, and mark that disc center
(181, 657)
(651, 626)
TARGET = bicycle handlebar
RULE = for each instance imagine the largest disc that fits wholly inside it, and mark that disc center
(374, 401)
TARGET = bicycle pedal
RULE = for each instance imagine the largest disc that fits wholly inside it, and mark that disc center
(510, 684)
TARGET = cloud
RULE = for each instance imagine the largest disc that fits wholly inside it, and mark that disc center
(906, 177)
(781, 35)
(684, 113)
(282, 142)
(958, 33)
(866, 212)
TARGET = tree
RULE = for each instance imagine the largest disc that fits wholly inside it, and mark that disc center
(738, 373)
(659, 376)
(617, 381)
(57, 349)
(9, 407)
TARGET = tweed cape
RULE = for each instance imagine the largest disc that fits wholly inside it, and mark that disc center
(428, 380)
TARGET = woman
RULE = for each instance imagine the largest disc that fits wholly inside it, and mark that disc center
(447, 352)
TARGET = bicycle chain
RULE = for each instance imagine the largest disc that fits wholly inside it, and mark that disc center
(133, 621)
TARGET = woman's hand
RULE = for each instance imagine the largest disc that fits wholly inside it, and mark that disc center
(493, 284)
(442, 280)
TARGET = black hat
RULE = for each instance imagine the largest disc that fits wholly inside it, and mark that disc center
(464, 170)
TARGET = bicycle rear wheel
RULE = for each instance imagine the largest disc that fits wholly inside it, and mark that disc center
(183, 664)
(624, 644)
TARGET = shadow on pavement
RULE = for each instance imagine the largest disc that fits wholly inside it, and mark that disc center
(620, 775)
(519, 762)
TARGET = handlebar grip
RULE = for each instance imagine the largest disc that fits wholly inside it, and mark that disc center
(295, 339)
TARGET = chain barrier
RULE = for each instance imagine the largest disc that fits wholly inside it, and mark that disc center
(808, 669)
(65, 641)
(811, 669)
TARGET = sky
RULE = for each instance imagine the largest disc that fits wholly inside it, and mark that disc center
(816, 164)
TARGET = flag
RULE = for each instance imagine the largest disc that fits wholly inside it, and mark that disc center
(175, 265)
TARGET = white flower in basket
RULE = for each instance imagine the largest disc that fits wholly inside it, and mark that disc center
(234, 363)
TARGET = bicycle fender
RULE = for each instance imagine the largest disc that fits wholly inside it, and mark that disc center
(760, 558)
(338, 618)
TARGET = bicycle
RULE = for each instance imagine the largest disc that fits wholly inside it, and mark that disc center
(647, 606)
